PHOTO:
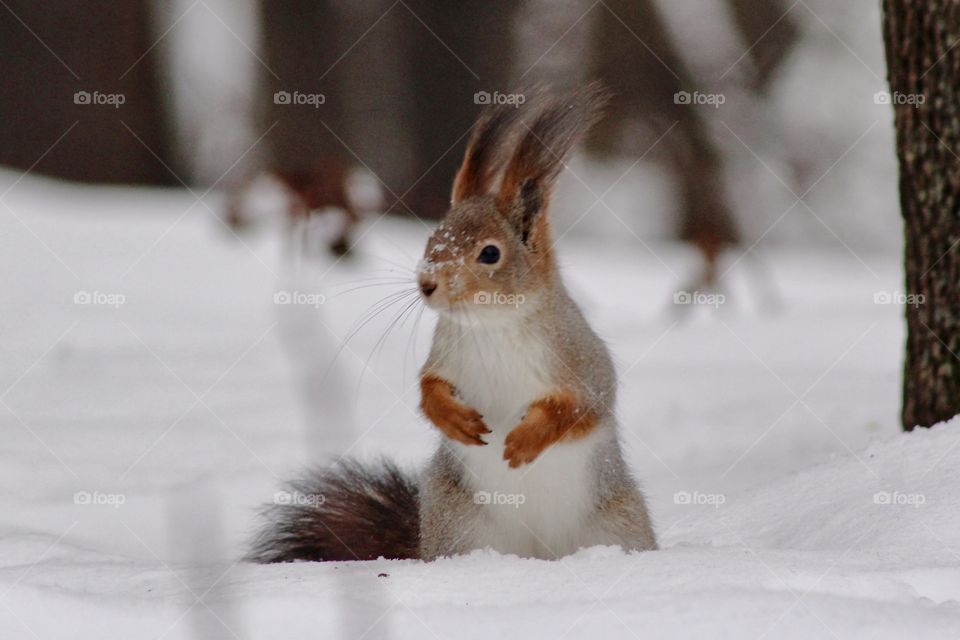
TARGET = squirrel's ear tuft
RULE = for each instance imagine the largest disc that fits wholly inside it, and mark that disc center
(485, 152)
(543, 147)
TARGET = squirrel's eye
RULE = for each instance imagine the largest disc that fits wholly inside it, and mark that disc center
(490, 254)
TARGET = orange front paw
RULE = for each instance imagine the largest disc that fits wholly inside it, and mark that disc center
(455, 419)
(551, 419)
(462, 423)
(527, 440)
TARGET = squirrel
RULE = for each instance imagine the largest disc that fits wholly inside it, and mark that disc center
(518, 384)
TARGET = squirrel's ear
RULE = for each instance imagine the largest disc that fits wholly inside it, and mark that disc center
(484, 152)
(540, 155)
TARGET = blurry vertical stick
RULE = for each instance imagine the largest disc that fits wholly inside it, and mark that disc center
(923, 62)
(198, 551)
(328, 420)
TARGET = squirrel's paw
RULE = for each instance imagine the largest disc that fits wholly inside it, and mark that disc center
(455, 419)
(526, 442)
(548, 420)
(463, 424)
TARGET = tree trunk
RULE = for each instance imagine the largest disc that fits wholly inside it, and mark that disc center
(398, 81)
(924, 66)
(458, 49)
(769, 28)
(79, 90)
(303, 94)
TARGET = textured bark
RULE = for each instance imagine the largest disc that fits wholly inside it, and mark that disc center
(924, 63)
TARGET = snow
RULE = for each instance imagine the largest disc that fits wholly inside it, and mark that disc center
(141, 437)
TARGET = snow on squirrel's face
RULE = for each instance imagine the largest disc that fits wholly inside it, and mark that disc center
(474, 262)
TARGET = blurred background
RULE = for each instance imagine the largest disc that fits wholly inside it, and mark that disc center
(725, 112)
(210, 214)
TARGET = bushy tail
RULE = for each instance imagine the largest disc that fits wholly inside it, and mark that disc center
(349, 512)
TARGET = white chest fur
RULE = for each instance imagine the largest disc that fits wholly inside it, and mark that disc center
(538, 509)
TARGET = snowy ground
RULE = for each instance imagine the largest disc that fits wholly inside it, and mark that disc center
(139, 439)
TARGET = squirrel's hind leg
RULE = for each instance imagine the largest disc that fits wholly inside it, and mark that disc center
(622, 519)
(620, 515)
(449, 515)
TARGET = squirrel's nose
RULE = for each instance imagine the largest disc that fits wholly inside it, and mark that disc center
(427, 287)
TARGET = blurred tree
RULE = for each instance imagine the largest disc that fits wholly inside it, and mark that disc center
(453, 50)
(923, 66)
(769, 31)
(332, 102)
(99, 48)
(635, 55)
(398, 82)
(304, 95)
